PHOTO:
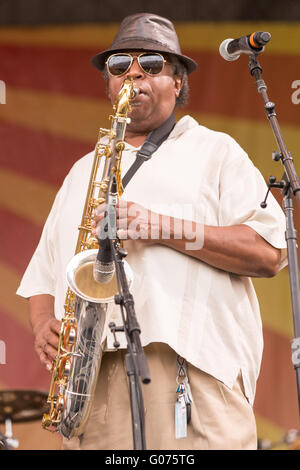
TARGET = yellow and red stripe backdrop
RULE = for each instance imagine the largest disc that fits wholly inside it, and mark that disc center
(55, 102)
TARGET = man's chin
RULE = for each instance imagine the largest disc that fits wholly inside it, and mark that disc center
(138, 112)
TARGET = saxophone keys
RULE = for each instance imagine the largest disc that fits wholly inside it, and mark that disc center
(120, 146)
(60, 404)
(69, 334)
(64, 368)
(46, 421)
(107, 152)
(91, 243)
(97, 202)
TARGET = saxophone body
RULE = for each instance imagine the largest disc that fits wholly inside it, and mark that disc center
(80, 348)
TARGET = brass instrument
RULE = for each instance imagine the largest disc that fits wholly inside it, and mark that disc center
(80, 349)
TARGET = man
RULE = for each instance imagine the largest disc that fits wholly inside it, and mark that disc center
(194, 237)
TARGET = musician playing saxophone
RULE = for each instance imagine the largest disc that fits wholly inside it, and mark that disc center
(191, 221)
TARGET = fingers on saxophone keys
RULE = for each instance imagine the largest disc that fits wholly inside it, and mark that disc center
(97, 231)
(121, 224)
(46, 361)
(51, 352)
(55, 326)
(52, 338)
(100, 209)
(97, 215)
(48, 352)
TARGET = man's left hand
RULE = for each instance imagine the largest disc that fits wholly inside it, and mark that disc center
(133, 221)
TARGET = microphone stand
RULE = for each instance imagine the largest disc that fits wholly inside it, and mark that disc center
(290, 187)
(135, 360)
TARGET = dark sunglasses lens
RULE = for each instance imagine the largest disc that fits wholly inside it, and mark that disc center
(151, 63)
(118, 64)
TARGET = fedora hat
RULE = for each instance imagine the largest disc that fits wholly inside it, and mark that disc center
(145, 32)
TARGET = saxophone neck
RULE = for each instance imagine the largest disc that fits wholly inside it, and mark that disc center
(126, 94)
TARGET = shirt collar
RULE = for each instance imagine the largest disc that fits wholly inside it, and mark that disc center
(185, 123)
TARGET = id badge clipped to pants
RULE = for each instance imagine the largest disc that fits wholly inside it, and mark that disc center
(184, 400)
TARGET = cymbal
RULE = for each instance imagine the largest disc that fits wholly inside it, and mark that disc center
(22, 405)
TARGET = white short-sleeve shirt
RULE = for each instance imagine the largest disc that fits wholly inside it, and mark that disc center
(208, 316)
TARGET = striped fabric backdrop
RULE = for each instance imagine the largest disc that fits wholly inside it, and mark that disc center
(55, 102)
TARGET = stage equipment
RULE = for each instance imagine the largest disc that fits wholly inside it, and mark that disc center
(19, 406)
(290, 187)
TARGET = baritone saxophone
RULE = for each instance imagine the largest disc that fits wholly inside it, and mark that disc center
(79, 354)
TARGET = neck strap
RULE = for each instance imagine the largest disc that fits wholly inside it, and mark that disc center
(153, 141)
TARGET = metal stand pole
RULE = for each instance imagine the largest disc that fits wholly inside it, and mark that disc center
(290, 186)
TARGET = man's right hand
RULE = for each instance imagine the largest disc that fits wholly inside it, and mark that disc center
(46, 328)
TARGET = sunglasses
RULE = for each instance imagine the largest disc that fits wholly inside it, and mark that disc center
(151, 63)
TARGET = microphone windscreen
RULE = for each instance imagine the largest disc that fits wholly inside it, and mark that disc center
(224, 51)
(103, 272)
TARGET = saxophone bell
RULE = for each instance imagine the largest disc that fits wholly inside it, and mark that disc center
(82, 281)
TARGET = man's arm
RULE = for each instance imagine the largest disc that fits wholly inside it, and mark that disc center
(237, 249)
(45, 327)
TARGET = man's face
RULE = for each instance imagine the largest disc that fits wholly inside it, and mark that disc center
(156, 99)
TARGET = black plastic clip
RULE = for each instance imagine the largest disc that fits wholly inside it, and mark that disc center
(272, 184)
(113, 329)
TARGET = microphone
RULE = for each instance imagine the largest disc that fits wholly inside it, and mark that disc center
(231, 49)
(104, 267)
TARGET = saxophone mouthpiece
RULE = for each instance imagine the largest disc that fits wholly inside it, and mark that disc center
(135, 92)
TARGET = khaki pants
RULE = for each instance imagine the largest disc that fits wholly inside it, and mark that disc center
(220, 418)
